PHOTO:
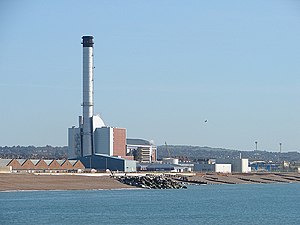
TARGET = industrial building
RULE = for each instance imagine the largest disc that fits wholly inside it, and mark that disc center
(106, 140)
(216, 168)
(166, 165)
(238, 165)
(92, 138)
(41, 165)
(161, 167)
(103, 162)
(223, 166)
(262, 166)
(142, 150)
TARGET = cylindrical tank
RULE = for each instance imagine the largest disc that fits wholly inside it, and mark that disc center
(170, 160)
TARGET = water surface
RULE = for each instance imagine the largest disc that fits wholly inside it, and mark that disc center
(210, 204)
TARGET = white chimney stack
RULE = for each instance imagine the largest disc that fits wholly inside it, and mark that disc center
(88, 94)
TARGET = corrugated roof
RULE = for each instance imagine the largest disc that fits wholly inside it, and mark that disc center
(60, 161)
(21, 161)
(131, 141)
(48, 161)
(34, 161)
(73, 162)
(4, 162)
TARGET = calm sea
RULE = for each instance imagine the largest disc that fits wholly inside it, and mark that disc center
(210, 204)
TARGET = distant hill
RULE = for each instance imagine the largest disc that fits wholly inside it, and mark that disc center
(194, 153)
(46, 152)
(184, 152)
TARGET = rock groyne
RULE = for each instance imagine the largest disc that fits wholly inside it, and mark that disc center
(151, 182)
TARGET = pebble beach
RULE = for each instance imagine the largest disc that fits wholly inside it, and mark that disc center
(23, 182)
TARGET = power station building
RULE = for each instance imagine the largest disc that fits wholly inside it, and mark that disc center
(142, 150)
(106, 140)
(92, 140)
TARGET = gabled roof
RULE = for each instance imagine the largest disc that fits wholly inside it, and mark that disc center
(34, 161)
(21, 161)
(4, 162)
(60, 161)
(73, 162)
(48, 161)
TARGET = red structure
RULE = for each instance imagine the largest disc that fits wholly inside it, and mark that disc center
(119, 139)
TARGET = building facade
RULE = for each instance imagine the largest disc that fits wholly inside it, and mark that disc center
(104, 162)
(42, 165)
(142, 150)
(237, 165)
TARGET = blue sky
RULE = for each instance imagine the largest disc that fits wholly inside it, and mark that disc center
(162, 69)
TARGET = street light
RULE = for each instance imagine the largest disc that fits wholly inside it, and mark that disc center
(256, 145)
(280, 144)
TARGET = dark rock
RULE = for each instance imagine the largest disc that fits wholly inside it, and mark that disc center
(151, 182)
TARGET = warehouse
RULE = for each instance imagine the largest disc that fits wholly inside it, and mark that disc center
(40, 165)
(104, 162)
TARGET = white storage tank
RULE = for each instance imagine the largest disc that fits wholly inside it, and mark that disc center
(245, 166)
(170, 160)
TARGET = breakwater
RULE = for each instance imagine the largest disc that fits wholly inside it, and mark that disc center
(151, 182)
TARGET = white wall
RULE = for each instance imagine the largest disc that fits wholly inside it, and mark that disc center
(223, 168)
(238, 165)
(130, 166)
(244, 166)
(170, 160)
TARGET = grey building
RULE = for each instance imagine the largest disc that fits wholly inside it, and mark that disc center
(104, 162)
(161, 167)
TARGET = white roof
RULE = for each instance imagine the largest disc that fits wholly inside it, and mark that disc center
(60, 161)
(4, 162)
(21, 161)
(97, 122)
(48, 161)
(34, 161)
(73, 162)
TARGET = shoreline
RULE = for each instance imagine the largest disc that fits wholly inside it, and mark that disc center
(61, 182)
(33, 182)
(241, 178)
(58, 190)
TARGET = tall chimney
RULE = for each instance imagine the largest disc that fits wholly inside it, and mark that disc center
(88, 94)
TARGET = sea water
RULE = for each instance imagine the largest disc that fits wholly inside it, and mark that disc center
(209, 204)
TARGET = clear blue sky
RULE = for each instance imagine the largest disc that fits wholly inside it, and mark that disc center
(163, 67)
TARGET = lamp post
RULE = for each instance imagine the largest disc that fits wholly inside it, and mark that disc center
(280, 144)
(256, 145)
